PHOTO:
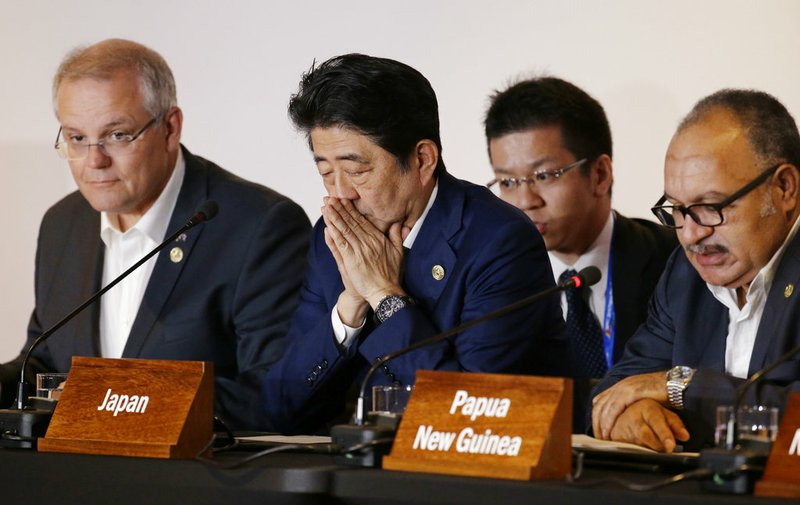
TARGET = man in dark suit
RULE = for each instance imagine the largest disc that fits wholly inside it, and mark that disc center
(550, 148)
(726, 305)
(223, 292)
(403, 251)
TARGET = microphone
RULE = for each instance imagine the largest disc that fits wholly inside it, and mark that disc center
(751, 456)
(588, 277)
(205, 212)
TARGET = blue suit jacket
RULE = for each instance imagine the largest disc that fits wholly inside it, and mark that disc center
(492, 256)
(229, 301)
(686, 325)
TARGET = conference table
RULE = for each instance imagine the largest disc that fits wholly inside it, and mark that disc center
(296, 478)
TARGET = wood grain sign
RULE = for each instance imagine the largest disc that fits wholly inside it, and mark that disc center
(133, 407)
(503, 426)
(780, 477)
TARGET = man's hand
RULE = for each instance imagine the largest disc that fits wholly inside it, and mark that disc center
(368, 261)
(650, 424)
(609, 404)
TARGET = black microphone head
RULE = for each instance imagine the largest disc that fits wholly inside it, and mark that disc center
(207, 210)
(590, 275)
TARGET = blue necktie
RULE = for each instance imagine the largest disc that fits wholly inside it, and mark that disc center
(584, 331)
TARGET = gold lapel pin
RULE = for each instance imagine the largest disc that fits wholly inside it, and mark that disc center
(176, 255)
(788, 290)
(437, 272)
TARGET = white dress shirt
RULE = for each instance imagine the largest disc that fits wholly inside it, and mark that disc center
(596, 255)
(119, 306)
(743, 323)
(344, 334)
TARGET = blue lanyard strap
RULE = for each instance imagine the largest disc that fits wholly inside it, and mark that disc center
(609, 318)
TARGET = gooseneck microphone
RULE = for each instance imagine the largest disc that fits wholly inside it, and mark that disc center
(205, 212)
(741, 391)
(588, 276)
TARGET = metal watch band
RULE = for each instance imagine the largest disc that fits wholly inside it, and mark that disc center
(390, 305)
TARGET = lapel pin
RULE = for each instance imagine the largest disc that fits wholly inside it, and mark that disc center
(181, 238)
(788, 290)
(437, 272)
(176, 255)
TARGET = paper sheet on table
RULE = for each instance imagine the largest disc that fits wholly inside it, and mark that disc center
(282, 439)
(587, 442)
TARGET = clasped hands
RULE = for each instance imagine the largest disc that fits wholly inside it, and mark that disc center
(635, 411)
(368, 259)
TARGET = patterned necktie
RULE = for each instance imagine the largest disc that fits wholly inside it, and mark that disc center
(584, 330)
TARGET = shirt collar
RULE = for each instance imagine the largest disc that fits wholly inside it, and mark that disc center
(412, 235)
(762, 282)
(596, 255)
(155, 221)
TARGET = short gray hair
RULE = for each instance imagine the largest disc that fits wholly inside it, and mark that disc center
(103, 59)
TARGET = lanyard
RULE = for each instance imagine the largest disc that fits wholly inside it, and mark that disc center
(609, 318)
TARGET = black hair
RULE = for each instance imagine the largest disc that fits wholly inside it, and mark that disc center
(550, 101)
(388, 101)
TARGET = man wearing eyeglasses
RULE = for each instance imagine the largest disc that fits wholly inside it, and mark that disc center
(726, 305)
(222, 292)
(550, 148)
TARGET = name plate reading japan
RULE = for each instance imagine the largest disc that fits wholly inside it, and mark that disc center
(783, 465)
(487, 425)
(133, 407)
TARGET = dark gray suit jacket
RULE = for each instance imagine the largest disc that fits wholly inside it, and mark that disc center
(228, 301)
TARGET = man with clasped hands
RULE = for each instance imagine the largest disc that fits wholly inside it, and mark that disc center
(726, 305)
(403, 250)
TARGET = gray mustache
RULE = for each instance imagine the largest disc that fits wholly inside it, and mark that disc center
(706, 248)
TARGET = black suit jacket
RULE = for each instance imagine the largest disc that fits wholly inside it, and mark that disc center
(640, 249)
(228, 301)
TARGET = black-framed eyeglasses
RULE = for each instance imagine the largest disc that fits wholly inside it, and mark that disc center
(541, 178)
(114, 144)
(705, 214)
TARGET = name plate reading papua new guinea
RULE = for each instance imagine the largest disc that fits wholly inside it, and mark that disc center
(487, 425)
(133, 407)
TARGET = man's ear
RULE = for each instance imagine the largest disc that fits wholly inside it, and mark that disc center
(786, 181)
(602, 175)
(426, 157)
(173, 123)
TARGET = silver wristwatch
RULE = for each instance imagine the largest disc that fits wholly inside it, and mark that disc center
(389, 305)
(678, 379)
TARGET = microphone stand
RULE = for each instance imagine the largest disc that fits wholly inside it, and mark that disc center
(20, 426)
(348, 435)
(733, 455)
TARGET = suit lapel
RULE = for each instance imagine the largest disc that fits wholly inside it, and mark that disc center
(432, 259)
(772, 330)
(86, 335)
(166, 272)
(626, 266)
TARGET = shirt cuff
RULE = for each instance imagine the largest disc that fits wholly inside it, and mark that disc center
(345, 335)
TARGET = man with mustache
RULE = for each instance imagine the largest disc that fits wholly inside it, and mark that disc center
(726, 305)
(403, 250)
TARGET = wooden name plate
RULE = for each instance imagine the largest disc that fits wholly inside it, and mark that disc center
(134, 407)
(780, 477)
(486, 425)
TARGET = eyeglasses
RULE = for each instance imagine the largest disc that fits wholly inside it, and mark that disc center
(705, 214)
(541, 178)
(76, 147)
